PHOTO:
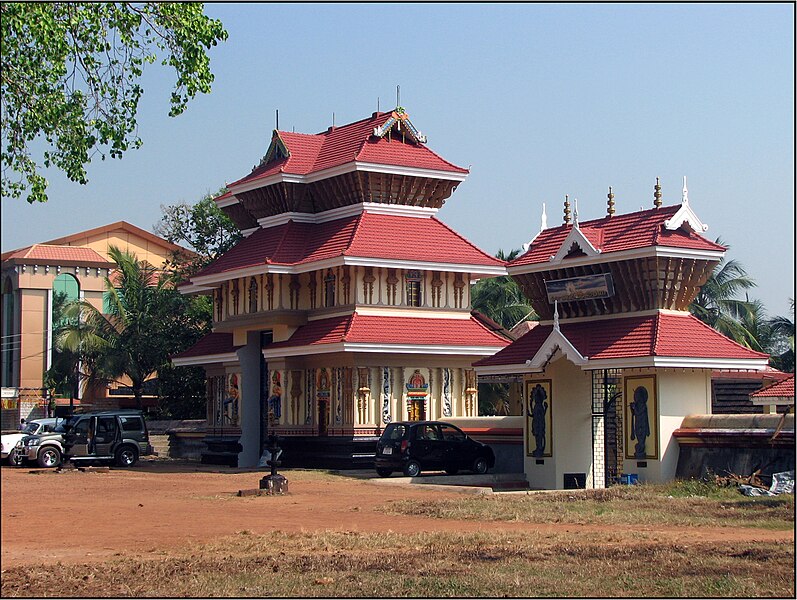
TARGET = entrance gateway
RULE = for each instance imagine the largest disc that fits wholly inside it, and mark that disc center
(617, 360)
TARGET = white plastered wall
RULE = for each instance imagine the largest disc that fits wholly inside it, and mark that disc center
(571, 414)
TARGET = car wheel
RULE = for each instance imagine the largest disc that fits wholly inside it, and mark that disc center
(49, 457)
(126, 456)
(412, 468)
(480, 466)
(384, 472)
(452, 470)
(16, 459)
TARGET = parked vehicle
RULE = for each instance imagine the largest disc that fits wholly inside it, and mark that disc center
(115, 436)
(45, 448)
(415, 446)
(9, 441)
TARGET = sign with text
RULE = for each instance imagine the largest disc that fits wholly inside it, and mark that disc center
(587, 287)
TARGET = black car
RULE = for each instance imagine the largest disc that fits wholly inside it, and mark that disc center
(116, 436)
(414, 446)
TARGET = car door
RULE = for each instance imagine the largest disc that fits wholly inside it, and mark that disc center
(423, 446)
(105, 435)
(457, 452)
(80, 438)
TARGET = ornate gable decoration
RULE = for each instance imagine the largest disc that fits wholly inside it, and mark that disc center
(685, 215)
(276, 150)
(575, 241)
(556, 340)
(398, 118)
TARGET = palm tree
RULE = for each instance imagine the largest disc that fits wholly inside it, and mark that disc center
(717, 304)
(782, 329)
(128, 340)
(500, 298)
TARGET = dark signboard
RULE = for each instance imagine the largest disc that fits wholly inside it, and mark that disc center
(587, 287)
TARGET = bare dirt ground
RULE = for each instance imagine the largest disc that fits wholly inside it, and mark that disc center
(158, 506)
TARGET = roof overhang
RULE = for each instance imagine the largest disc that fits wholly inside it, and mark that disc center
(379, 349)
(248, 186)
(208, 359)
(208, 282)
(650, 251)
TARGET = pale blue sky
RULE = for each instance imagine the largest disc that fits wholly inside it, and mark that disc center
(539, 100)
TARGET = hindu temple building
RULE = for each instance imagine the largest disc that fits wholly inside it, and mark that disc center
(347, 305)
(617, 360)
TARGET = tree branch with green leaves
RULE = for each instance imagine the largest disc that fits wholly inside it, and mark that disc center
(70, 80)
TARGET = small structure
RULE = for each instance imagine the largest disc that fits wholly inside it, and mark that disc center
(617, 360)
(274, 483)
(776, 395)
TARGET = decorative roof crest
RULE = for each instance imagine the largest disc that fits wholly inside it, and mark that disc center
(398, 117)
(686, 215)
(543, 227)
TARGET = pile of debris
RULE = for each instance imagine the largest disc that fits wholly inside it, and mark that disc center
(782, 483)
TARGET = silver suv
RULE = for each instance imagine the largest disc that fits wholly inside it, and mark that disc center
(46, 448)
(117, 436)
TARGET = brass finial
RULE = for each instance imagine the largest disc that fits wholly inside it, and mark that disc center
(567, 210)
(610, 209)
(657, 194)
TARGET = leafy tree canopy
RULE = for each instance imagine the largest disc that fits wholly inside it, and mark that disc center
(501, 299)
(202, 226)
(70, 75)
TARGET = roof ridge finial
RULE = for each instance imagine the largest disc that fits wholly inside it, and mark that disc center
(556, 315)
(575, 212)
(610, 210)
(567, 209)
(657, 194)
(543, 219)
(685, 193)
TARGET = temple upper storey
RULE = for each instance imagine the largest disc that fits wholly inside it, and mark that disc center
(646, 260)
(382, 159)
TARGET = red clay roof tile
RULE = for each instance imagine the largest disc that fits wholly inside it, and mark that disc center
(347, 143)
(640, 229)
(209, 345)
(372, 329)
(663, 334)
(52, 253)
(780, 389)
(366, 235)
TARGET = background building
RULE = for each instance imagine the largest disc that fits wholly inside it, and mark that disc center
(73, 267)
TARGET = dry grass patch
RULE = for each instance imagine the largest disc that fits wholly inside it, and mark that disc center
(677, 504)
(425, 565)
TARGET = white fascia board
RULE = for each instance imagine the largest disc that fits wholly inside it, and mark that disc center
(686, 215)
(650, 251)
(576, 236)
(192, 288)
(556, 341)
(770, 400)
(381, 349)
(410, 171)
(423, 265)
(226, 201)
(247, 232)
(192, 361)
(678, 362)
(248, 186)
(235, 274)
(516, 369)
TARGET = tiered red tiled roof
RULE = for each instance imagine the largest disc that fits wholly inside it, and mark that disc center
(210, 345)
(348, 143)
(640, 229)
(62, 254)
(377, 329)
(662, 334)
(780, 389)
(366, 235)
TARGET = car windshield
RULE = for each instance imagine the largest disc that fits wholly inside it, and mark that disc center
(30, 428)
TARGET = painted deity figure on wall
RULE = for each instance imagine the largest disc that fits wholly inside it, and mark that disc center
(230, 406)
(640, 425)
(538, 407)
(275, 399)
